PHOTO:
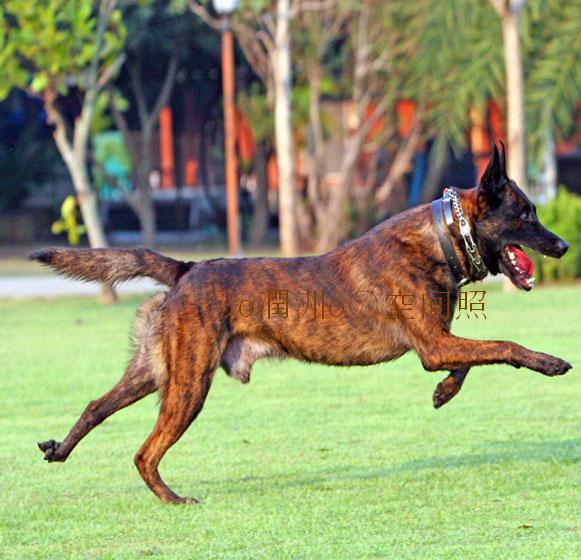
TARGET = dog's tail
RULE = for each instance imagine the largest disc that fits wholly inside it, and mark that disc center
(112, 265)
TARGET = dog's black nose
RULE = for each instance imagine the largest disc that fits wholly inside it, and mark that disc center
(562, 247)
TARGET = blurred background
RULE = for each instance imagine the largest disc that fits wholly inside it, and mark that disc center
(281, 127)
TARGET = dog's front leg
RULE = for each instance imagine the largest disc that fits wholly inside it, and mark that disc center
(445, 351)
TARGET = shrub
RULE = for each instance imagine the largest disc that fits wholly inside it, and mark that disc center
(562, 215)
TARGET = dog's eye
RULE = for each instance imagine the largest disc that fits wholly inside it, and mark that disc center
(526, 216)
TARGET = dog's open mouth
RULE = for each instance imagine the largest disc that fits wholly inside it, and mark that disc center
(518, 267)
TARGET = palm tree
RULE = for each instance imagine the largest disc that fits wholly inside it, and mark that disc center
(527, 60)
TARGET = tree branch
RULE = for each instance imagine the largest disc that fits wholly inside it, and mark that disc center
(403, 157)
(204, 15)
(122, 125)
(498, 6)
(105, 9)
(111, 71)
(311, 6)
(167, 87)
(137, 87)
(265, 38)
(255, 55)
(330, 32)
(361, 61)
(83, 122)
(55, 118)
(269, 25)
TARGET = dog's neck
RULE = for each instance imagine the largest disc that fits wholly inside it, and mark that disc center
(461, 254)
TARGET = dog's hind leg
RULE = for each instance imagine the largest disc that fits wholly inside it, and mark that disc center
(191, 364)
(136, 383)
(449, 387)
(179, 409)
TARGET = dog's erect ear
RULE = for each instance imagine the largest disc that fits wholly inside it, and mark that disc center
(491, 182)
(503, 160)
(493, 172)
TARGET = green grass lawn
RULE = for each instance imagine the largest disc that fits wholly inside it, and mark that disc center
(304, 462)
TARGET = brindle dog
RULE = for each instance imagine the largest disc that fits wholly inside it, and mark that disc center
(346, 307)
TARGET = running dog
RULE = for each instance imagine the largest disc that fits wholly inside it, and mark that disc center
(346, 307)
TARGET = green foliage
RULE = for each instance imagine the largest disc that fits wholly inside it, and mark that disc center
(102, 119)
(52, 43)
(458, 62)
(450, 56)
(12, 74)
(68, 223)
(562, 215)
(254, 104)
(554, 83)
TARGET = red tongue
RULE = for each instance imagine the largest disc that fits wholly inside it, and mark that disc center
(523, 262)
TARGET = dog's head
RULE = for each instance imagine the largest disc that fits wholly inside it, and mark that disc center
(506, 220)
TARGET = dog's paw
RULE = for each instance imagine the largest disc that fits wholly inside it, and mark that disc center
(178, 500)
(189, 501)
(445, 391)
(551, 365)
(50, 449)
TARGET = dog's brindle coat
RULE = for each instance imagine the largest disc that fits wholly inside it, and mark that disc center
(206, 319)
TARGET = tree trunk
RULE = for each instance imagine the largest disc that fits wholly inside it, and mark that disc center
(401, 162)
(334, 224)
(140, 199)
(141, 155)
(146, 214)
(363, 199)
(283, 133)
(91, 217)
(315, 141)
(74, 156)
(261, 214)
(74, 151)
(439, 160)
(547, 185)
(147, 222)
(516, 127)
(311, 216)
(510, 12)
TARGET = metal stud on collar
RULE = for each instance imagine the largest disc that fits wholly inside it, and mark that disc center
(465, 231)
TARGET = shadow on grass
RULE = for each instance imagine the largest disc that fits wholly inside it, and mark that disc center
(565, 452)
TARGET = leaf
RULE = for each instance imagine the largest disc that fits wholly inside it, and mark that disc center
(39, 82)
(57, 228)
